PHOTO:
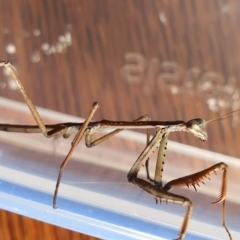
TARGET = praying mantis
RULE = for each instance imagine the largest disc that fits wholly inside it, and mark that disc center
(157, 142)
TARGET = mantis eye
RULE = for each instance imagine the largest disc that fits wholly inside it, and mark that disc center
(197, 128)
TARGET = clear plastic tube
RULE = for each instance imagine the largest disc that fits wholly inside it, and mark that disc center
(95, 197)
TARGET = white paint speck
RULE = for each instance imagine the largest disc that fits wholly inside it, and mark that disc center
(162, 18)
(50, 50)
(174, 90)
(45, 46)
(10, 48)
(213, 104)
(36, 32)
(206, 85)
(35, 57)
(68, 38)
(60, 46)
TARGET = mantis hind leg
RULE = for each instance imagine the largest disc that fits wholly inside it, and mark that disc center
(74, 144)
(27, 99)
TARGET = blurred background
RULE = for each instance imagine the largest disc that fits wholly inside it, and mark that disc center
(173, 60)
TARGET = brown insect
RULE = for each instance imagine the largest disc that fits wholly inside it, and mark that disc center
(158, 141)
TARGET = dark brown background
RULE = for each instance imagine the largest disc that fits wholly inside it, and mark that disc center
(190, 51)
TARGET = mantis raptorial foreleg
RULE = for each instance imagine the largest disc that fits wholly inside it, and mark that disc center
(196, 178)
(160, 161)
(156, 190)
(161, 193)
(147, 152)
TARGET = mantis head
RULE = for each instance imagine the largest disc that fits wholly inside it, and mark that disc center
(197, 126)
